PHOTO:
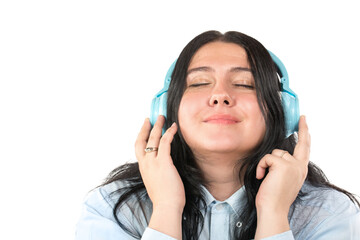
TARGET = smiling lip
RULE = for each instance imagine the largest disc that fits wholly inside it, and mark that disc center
(221, 119)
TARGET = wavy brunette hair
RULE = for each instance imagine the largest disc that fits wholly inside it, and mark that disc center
(267, 89)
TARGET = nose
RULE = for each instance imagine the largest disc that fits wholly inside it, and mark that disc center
(221, 97)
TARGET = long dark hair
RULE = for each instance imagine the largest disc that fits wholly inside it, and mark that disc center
(267, 89)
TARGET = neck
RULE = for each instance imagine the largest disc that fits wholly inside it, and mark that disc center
(221, 173)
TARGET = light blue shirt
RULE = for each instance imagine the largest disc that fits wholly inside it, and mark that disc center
(323, 214)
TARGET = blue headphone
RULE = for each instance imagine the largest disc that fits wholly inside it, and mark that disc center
(289, 99)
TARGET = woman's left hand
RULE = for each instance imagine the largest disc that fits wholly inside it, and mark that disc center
(284, 180)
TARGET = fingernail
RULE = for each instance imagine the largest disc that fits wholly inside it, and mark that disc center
(174, 124)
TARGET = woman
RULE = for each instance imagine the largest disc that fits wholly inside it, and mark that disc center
(224, 169)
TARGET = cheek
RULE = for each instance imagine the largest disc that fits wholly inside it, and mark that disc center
(190, 105)
(250, 107)
(249, 104)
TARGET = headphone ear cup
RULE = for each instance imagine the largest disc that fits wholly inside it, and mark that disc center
(158, 107)
(290, 104)
(154, 112)
(159, 102)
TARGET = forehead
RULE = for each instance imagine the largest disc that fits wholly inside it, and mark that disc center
(220, 53)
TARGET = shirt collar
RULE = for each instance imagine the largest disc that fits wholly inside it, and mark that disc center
(236, 201)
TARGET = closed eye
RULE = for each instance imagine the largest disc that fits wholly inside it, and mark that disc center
(245, 86)
(198, 84)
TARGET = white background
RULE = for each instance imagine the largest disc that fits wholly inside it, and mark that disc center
(77, 79)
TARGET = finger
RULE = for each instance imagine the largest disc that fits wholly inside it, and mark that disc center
(266, 162)
(278, 153)
(165, 142)
(302, 148)
(141, 141)
(282, 154)
(155, 133)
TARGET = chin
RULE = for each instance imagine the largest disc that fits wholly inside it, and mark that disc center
(225, 143)
(222, 140)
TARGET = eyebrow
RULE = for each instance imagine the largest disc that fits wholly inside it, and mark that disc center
(240, 69)
(210, 69)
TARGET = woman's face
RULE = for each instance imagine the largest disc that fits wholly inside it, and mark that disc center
(219, 112)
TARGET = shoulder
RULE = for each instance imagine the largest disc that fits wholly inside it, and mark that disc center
(133, 213)
(99, 206)
(106, 197)
(325, 199)
(321, 207)
(98, 221)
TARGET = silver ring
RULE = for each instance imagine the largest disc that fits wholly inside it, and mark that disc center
(150, 149)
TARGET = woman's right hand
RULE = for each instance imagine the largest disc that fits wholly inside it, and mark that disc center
(161, 178)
